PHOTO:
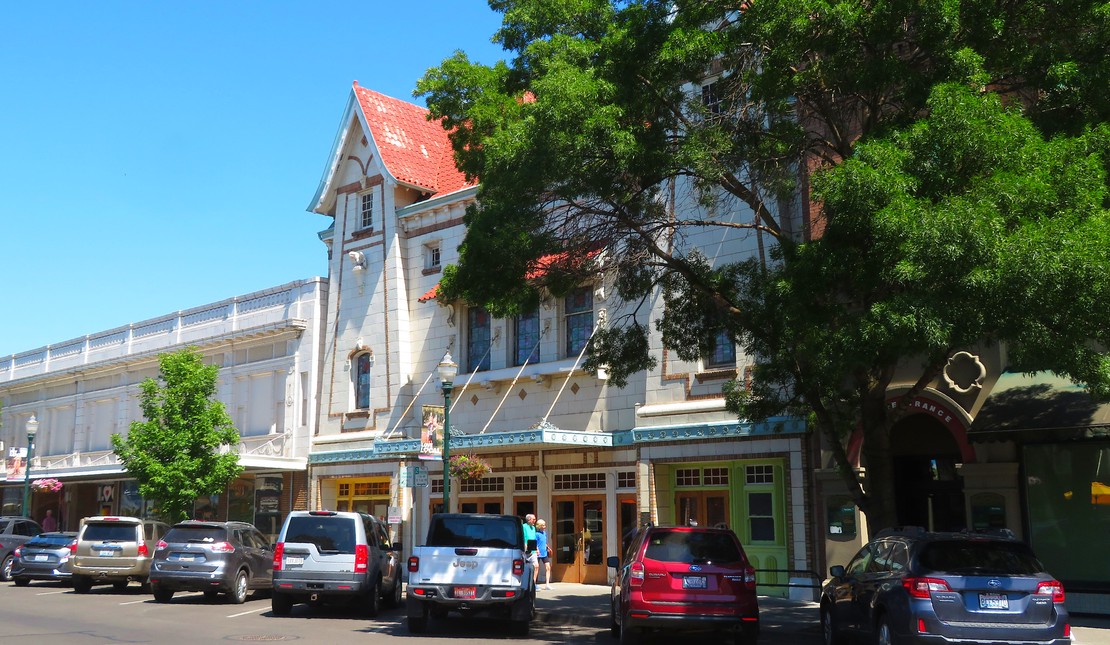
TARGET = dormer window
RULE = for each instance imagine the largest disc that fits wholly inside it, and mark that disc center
(366, 214)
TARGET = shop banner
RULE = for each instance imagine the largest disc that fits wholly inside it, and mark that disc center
(431, 432)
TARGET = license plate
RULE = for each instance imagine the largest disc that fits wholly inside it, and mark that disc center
(186, 557)
(993, 601)
(106, 554)
(693, 582)
(466, 593)
(292, 559)
(40, 558)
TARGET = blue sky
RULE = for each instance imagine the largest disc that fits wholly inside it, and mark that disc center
(158, 156)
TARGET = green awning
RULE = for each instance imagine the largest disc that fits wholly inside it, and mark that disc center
(1039, 406)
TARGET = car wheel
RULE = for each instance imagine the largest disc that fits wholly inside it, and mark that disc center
(82, 584)
(629, 635)
(745, 637)
(830, 631)
(280, 604)
(520, 628)
(395, 597)
(240, 590)
(211, 594)
(418, 624)
(21, 582)
(373, 600)
(883, 634)
(163, 595)
(6, 570)
(119, 585)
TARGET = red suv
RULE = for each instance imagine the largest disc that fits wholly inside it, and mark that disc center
(684, 578)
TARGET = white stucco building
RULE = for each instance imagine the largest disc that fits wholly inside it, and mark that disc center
(83, 390)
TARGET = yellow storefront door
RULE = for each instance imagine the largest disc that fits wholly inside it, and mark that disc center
(577, 541)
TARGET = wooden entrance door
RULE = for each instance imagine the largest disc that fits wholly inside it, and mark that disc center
(578, 539)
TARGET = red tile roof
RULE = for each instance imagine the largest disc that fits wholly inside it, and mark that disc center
(416, 151)
(430, 294)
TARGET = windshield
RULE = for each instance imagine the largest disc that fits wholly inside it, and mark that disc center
(693, 547)
(47, 540)
(110, 532)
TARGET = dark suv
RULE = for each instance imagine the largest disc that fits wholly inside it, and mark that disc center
(684, 578)
(14, 531)
(908, 585)
(335, 555)
(214, 557)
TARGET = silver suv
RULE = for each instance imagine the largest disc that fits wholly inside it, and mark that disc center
(114, 550)
(334, 555)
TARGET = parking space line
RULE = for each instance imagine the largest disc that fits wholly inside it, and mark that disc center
(134, 602)
(51, 593)
(244, 613)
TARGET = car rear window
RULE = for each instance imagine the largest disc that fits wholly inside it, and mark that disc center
(464, 532)
(48, 540)
(110, 532)
(329, 534)
(979, 556)
(197, 534)
(693, 546)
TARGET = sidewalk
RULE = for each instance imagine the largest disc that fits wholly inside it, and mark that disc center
(585, 608)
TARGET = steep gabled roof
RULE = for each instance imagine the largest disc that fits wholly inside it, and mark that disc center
(416, 151)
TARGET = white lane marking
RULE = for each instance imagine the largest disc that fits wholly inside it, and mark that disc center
(51, 593)
(244, 613)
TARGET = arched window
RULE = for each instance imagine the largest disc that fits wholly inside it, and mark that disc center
(363, 363)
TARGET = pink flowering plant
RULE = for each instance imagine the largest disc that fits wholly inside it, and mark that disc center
(50, 485)
(469, 467)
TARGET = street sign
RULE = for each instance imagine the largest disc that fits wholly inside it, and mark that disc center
(419, 477)
(404, 478)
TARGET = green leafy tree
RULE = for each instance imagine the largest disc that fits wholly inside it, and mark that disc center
(957, 151)
(180, 452)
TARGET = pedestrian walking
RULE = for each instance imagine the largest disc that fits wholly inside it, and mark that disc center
(49, 524)
(543, 555)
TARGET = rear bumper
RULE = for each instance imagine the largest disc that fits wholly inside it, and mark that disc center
(33, 572)
(126, 571)
(657, 620)
(303, 587)
(190, 580)
(486, 599)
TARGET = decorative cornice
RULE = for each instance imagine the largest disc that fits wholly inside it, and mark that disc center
(737, 429)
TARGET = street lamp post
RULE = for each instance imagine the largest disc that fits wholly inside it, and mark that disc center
(32, 428)
(447, 371)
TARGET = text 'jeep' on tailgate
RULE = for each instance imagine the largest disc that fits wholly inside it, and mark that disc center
(474, 564)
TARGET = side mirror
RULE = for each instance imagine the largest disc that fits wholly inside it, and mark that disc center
(613, 561)
(396, 547)
(836, 571)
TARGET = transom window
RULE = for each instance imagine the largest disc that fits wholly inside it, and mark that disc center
(478, 324)
(578, 311)
(579, 481)
(366, 219)
(363, 363)
(483, 485)
(527, 337)
(526, 483)
(760, 474)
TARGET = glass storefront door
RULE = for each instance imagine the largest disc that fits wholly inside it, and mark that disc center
(578, 539)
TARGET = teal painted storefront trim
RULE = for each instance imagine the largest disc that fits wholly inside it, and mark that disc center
(554, 437)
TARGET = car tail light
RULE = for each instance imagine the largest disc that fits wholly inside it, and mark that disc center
(73, 547)
(18, 551)
(749, 578)
(279, 552)
(518, 567)
(223, 547)
(1052, 588)
(636, 574)
(414, 564)
(161, 545)
(921, 628)
(923, 587)
(143, 551)
(362, 558)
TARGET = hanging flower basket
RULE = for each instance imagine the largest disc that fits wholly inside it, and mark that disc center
(50, 485)
(469, 467)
